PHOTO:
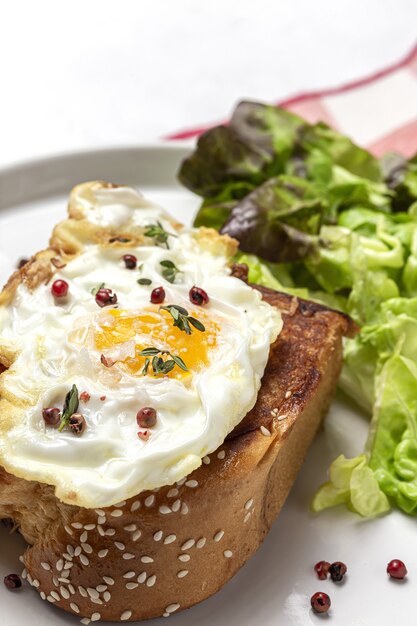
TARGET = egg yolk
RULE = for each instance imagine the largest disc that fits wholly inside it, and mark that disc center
(154, 328)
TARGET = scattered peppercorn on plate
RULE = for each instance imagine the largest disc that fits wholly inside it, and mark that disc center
(149, 434)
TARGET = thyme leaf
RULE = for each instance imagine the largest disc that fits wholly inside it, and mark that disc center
(97, 289)
(71, 403)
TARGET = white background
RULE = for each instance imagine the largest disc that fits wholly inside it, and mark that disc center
(85, 73)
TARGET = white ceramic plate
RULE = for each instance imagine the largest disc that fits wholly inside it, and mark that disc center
(274, 588)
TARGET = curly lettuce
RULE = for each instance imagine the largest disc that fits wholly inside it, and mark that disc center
(319, 217)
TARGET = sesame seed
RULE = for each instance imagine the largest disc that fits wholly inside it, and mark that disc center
(221, 454)
(192, 484)
(83, 537)
(63, 580)
(68, 530)
(84, 560)
(150, 500)
(171, 608)
(121, 504)
(247, 516)
(181, 482)
(82, 591)
(141, 578)
(126, 615)
(100, 512)
(101, 519)
(89, 527)
(43, 595)
(87, 548)
(176, 506)
(146, 559)
(85, 621)
(119, 545)
(184, 557)
(77, 551)
(218, 536)
(67, 557)
(182, 573)
(36, 583)
(206, 460)
(249, 504)
(127, 556)
(151, 581)
(96, 601)
(74, 607)
(282, 417)
(158, 535)
(100, 530)
(129, 575)
(70, 550)
(164, 509)
(265, 431)
(201, 542)
(71, 588)
(228, 554)
(288, 394)
(68, 564)
(108, 580)
(77, 525)
(55, 595)
(170, 539)
(106, 596)
(103, 553)
(46, 566)
(110, 532)
(131, 585)
(165, 614)
(51, 599)
(184, 509)
(188, 544)
(55, 581)
(137, 535)
(116, 513)
(135, 506)
(93, 593)
(59, 565)
(172, 493)
(95, 617)
(64, 593)
(130, 528)
(24, 574)
(101, 588)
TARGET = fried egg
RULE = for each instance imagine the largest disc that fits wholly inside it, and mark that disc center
(115, 355)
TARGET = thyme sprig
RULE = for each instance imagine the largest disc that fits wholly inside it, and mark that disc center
(170, 270)
(71, 403)
(182, 319)
(158, 232)
(159, 365)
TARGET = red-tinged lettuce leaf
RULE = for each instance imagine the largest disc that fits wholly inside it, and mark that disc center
(279, 220)
(254, 146)
(401, 177)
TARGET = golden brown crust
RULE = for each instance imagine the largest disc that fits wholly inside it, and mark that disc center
(168, 549)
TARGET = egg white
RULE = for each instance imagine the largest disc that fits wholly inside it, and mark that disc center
(109, 463)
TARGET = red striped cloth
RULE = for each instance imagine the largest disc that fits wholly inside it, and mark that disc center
(378, 111)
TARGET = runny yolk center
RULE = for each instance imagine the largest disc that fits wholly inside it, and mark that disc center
(154, 328)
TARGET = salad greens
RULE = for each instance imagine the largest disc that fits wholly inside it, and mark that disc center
(320, 217)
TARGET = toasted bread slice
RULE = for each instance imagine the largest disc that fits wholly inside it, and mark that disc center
(166, 550)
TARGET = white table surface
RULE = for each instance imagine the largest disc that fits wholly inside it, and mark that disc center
(83, 73)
